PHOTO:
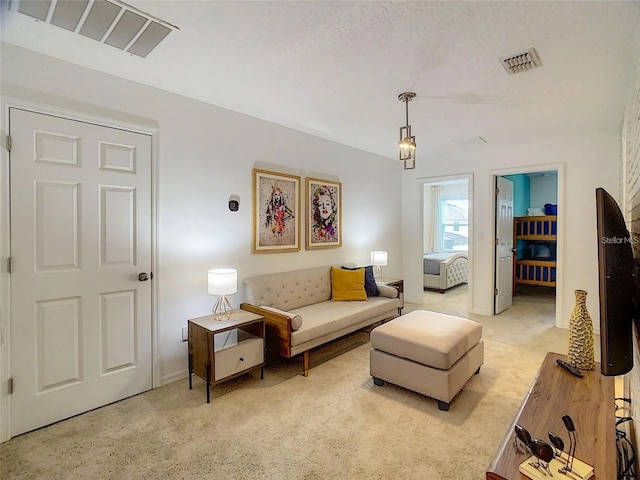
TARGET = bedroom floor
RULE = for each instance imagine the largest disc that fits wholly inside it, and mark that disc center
(455, 301)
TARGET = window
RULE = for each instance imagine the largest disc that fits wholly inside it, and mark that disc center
(454, 224)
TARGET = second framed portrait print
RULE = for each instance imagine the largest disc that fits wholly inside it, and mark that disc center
(324, 213)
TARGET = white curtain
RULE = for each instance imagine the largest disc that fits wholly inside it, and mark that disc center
(433, 239)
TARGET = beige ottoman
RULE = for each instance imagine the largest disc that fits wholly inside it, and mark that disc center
(430, 353)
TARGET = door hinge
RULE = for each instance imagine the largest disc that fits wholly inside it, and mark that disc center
(9, 265)
(495, 292)
(10, 386)
(497, 241)
(9, 142)
(497, 191)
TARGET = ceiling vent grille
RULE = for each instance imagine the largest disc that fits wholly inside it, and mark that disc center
(108, 21)
(521, 62)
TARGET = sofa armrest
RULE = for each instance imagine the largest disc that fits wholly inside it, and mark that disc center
(387, 291)
(278, 323)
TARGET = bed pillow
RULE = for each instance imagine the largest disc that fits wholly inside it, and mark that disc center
(347, 284)
(540, 251)
(369, 280)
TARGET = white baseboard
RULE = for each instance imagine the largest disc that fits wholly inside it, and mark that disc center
(175, 376)
(480, 311)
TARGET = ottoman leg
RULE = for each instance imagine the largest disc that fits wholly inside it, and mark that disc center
(477, 371)
(444, 406)
(378, 381)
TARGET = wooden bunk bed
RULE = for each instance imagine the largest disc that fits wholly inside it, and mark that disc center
(539, 235)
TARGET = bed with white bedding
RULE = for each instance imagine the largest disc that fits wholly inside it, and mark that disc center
(444, 270)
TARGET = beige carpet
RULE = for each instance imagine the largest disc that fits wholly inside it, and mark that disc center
(335, 424)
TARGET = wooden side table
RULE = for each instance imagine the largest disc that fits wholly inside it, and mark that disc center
(215, 364)
(396, 283)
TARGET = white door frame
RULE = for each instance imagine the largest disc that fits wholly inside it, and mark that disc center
(5, 236)
(558, 167)
(469, 178)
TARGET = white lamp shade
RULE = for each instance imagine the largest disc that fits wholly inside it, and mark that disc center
(379, 258)
(223, 281)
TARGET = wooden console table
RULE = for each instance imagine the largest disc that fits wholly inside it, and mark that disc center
(554, 393)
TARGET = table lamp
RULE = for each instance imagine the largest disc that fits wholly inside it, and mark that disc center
(222, 282)
(378, 259)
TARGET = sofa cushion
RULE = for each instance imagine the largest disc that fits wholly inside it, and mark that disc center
(324, 318)
(369, 280)
(296, 319)
(347, 284)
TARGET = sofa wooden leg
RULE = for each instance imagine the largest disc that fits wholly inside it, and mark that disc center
(305, 361)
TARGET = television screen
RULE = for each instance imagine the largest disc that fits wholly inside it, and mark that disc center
(617, 282)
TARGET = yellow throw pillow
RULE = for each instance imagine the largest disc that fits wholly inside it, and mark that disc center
(347, 284)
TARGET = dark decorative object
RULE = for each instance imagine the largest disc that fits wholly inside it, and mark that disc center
(568, 423)
(523, 435)
(558, 444)
(544, 453)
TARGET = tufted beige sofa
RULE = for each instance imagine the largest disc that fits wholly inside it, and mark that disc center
(286, 298)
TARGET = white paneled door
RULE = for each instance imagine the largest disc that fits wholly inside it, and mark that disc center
(80, 249)
(504, 244)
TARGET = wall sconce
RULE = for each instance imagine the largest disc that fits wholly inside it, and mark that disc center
(222, 282)
(407, 143)
(379, 259)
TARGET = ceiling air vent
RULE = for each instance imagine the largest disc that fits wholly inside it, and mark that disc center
(521, 62)
(108, 21)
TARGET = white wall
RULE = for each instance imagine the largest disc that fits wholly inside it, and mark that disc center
(590, 161)
(204, 155)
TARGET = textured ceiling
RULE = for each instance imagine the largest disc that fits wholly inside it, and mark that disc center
(335, 68)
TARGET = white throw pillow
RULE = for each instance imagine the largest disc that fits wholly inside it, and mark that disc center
(296, 320)
(535, 212)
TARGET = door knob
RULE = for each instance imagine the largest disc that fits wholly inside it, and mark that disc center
(143, 277)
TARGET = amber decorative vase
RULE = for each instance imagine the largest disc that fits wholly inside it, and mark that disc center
(581, 334)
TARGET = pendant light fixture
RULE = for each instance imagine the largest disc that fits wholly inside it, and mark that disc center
(407, 143)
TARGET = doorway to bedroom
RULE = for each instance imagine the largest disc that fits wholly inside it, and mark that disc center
(533, 254)
(446, 242)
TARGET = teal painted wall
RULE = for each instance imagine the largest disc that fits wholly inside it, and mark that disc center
(521, 196)
(521, 193)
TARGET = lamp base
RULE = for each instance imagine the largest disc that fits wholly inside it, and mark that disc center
(377, 272)
(222, 309)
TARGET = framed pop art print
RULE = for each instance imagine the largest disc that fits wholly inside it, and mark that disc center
(324, 213)
(276, 212)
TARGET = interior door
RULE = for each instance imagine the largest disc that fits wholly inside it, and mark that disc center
(504, 245)
(80, 238)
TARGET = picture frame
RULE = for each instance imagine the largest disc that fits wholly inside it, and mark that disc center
(323, 217)
(276, 212)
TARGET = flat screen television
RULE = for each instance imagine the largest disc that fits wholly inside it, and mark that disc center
(618, 286)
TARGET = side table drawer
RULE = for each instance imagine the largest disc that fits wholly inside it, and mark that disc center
(247, 353)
